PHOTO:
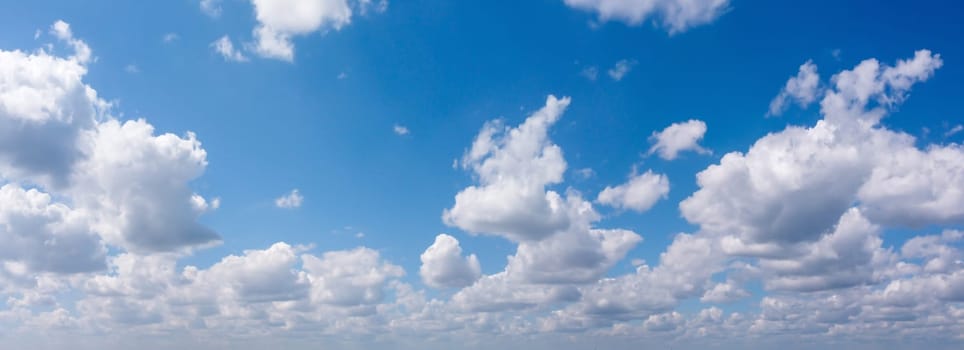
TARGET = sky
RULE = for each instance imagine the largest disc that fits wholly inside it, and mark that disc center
(545, 174)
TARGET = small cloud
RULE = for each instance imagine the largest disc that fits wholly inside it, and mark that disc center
(400, 130)
(342, 76)
(211, 8)
(36, 34)
(224, 47)
(804, 89)
(291, 200)
(678, 137)
(379, 6)
(591, 73)
(618, 71)
(360, 235)
(585, 173)
(170, 37)
(953, 131)
(132, 68)
(836, 54)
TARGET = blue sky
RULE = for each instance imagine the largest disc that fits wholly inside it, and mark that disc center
(552, 173)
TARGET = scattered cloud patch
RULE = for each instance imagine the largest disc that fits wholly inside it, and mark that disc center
(280, 21)
(170, 38)
(211, 7)
(585, 173)
(591, 73)
(802, 89)
(954, 130)
(292, 199)
(675, 16)
(620, 69)
(639, 194)
(678, 137)
(225, 48)
(400, 130)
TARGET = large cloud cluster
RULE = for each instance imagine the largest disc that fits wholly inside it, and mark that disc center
(77, 179)
(96, 214)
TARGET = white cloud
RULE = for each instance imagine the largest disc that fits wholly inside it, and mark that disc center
(912, 187)
(292, 199)
(591, 73)
(400, 130)
(44, 108)
(640, 193)
(802, 89)
(443, 265)
(131, 186)
(678, 137)
(724, 293)
(578, 255)
(132, 68)
(255, 276)
(170, 37)
(809, 203)
(278, 21)
(136, 186)
(556, 241)
(684, 272)
(225, 48)
(675, 16)
(850, 255)
(46, 236)
(349, 278)
(93, 236)
(954, 130)
(62, 31)
(585, 173)
(211, 7)
(514, 166)
(620, 69)
(499, 293)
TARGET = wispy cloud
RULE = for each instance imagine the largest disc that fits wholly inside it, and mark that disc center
(224, 47)
(290, 200)
(621, 68)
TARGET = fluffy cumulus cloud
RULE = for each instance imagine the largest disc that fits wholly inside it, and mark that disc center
(678, 137)
(558, 246)
(675, 16)
(97, 215)
(444, 266)
(640, 193)
(225, 47)
(279, 21)
(45, 107)
(802, 89)
(514, 166)
(806, 207)
(118, 179)
(290, 200)
(41, 235)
